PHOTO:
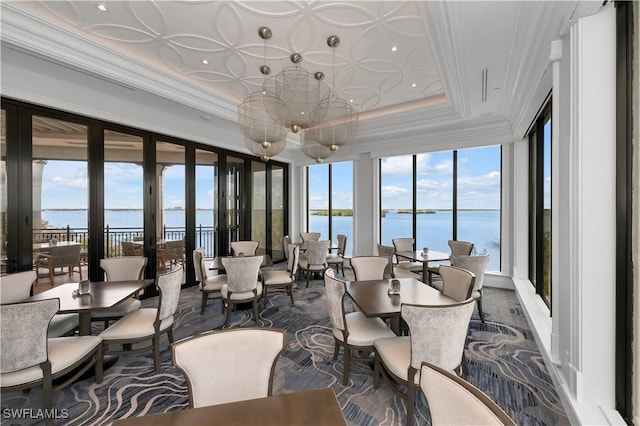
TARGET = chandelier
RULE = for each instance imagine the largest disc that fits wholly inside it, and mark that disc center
(296, 100)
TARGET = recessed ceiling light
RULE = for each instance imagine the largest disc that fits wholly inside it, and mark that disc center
(394, 48)
(102, 7)
(413, 84)
(204, 61)
(351, 100)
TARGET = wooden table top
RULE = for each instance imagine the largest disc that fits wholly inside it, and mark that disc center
(216, 264)
(315, 407)
(374, 301)
(101, 296)
(45, 246)
(417, 256)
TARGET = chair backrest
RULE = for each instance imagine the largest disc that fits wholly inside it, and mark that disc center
(65, 255)
(387, 251)
(457, 283)
(369, 267)
(342, 244)
(286, 240)
(126, 268)
(229, 365)
(168, 285)
(17, 287)
(23, 333)
(475, 264)
(317, 251)
(130, 248)
(198, 257)
(247, 248)
(292, 258)
(242, 272)
(335, 290)
(454, 401)
(438, 333)
(460, 248)
(309, 236)
(173, 249)
(403, 244)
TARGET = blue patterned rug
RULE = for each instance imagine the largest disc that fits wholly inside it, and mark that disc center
(503, 361)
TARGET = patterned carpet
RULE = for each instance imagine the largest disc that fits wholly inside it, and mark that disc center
(502, 355)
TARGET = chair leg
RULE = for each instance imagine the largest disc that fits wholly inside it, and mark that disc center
(347, 361)
(170, 335)
(156, 352)
(255, 310)
(479, 301)
(47, 385)
(98, 368)
(264, 296)
(228, 315)
(307, 274)
(376, 371)
(336, 348)
(290, 289)
(204, 303)
(411, 395)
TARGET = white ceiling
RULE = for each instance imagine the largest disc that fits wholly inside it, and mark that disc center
(442, 49)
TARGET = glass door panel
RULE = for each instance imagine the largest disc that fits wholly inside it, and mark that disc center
(60, 199)
(396, 199)
(3, 191)
(277, 212)
(258, 205)
(342, 202)
(123, 195)
(546, 216)
(206, 201)
(318, 199)
(234, 201)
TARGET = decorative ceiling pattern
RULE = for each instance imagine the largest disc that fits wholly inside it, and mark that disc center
(384, 57)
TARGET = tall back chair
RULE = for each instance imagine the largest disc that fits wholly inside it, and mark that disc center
(29, 358)
(369, 267)
(242, 283)
(457, 248)
(437, 335)
(454, 401)
(147, 323)
(130, 248)
(230, 365)
(351, 331)
(17, 287)
(316, 258)
(244, 248)
(61, 256)
(457, 283)
(387, 252)
(477, 265)
(210, 286)
(308, 236)
(337, 259)
(280, 278)
(286, 240)
(173, 253)
(406, 244)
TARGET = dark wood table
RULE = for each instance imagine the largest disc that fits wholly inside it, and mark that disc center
(216, 264)
(417, 256)
(373, 300)
(101, 296)
(314, 407)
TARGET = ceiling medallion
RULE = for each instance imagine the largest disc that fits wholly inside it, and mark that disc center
(297, 100)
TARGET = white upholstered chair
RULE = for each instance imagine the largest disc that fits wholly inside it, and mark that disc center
(437, 335)
(369, 267)
(337, 259)
(315, 259)
(457, 248)
(125, 268)
(286, 240)
(244, 248)
(352, 331)
(454, 401)
(210, 285)
(477, 265)
(30, 359)
(147, 323)
(457, 283)
(391, 271)
(229, 365)
(18, 287)
(406, 244)
(308, 236)
(242, 283)
(282, 278)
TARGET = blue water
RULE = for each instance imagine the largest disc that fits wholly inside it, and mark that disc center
(434, 230)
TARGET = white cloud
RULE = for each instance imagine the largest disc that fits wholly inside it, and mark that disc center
(491, 179)
(398, 166)
(65, 182)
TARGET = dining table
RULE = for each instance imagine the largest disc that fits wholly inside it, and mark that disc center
(424, 257)
(45, 247)
(373, 299)
(102, 295)
(312, 407)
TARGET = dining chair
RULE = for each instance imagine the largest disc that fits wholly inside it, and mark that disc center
(282, 278)
(147, 323)
(367, 268)
(242, 284)
(130, 248)
(29, 358)
(457, 283)
(352, 331)
(210, 285)
(308, 236)
(337, 259)
(125, 268)
(457, 248)
(286, 240)
(244, 248)
(454, 401)
(437, 334)
(62, 256)
(390, 271)
(19, 286)
(315, 259)
(229, 365)
(406, 244)
(477, 265)
(173, 253)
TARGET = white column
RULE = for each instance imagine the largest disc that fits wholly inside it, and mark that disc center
(365, 205)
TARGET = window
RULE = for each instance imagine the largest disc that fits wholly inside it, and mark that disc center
(436, 197)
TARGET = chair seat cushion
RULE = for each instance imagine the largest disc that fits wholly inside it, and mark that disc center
(363, 331)
(213, 283)
(276, 277)
(404, 273)
(411, 266)
(135, 325)
(129, 305)
(62, 324)
(335, 258)
(437, 284)
(242, 295)
(395, 353)
(476, 295)
(63, 352)
(305, 265)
